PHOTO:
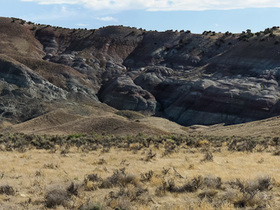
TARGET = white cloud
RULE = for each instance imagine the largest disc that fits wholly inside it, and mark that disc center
(58, 12)
(165, 5)
(55, 1)
(82, 25)
(107, 19)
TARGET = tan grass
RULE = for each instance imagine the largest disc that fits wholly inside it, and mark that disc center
(266, 127)
(32, 173)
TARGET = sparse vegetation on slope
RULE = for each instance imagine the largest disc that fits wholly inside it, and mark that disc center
(107, 172)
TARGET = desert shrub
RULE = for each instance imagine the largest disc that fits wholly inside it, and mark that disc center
(126, 196)
(101, 161)
(206, 32)
(190, 186)
(60, 195)
(57, 196)
(169, 148)
(208, 194)
(258, 201)
(7, 190)
(146, 177)
(91, 206)
(40, 143)
(276, 153)
(50, 166)
(258, 33)
(106, 149)
(149, 156)
(247, 145)
(119, 178)
(228, 33)
(92, 182)
(199, 182)
(245, 36)
(120, 203)
(72, 136)
(240, 194)
(93, 178)
(260, 184)
(90, 142)
(268, 30)
(242, 144)
(165, 171)
(254, 192)
(191, 166)
(207, 157)
(133, 193)
(161, 190)
(72, 189)
(212, 182)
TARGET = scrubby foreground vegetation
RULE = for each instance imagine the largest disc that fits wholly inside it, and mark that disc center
(139, 172)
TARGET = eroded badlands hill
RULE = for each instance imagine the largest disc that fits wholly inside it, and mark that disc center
(188, 78)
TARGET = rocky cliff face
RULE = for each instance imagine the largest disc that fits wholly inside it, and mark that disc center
(188, 78)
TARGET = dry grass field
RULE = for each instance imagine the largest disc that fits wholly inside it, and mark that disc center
(139, 172)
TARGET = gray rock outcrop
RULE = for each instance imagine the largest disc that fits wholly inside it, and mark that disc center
(188, 78)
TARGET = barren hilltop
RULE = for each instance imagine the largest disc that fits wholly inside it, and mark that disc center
(206, 79)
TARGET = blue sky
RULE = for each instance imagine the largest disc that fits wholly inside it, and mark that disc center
(195, 15)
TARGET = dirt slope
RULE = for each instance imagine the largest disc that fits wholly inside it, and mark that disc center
(267, 127)
(64, 122)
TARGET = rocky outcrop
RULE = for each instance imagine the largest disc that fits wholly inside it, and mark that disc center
(23, 92)
(188, 78)
(225, 100)
(123, 93)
